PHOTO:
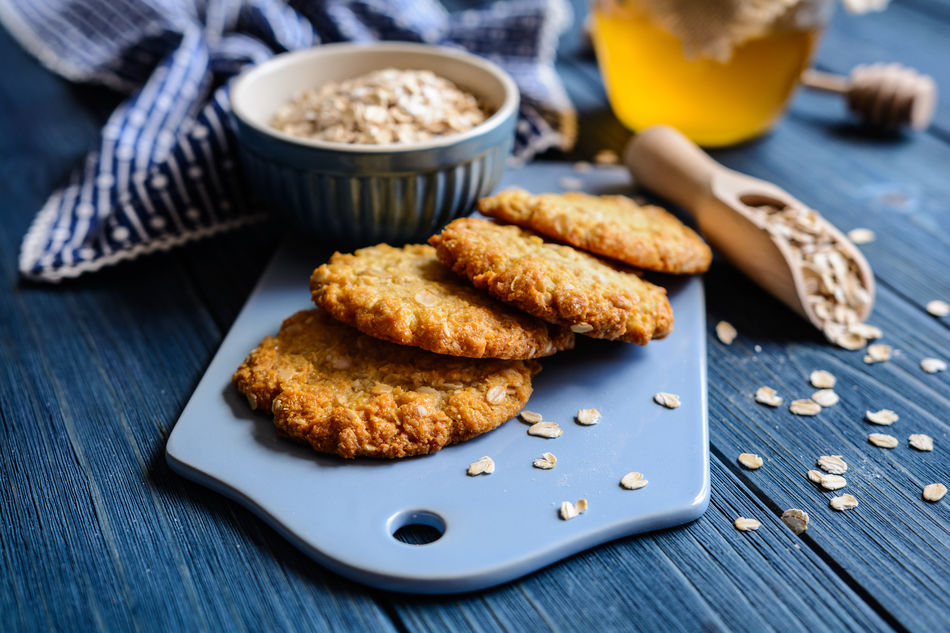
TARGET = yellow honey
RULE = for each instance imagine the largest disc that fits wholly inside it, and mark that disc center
(649, 79)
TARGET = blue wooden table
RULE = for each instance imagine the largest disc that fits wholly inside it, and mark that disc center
(97, 534)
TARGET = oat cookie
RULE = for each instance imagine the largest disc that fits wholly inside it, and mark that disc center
(406, 296)
(612, 226)
(555, 282)
(347, 393)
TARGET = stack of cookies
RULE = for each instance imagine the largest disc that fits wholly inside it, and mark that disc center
(423, 346)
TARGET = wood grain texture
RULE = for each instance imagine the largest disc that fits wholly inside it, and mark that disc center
(706, 576)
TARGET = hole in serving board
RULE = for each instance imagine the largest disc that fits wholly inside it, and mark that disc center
(758, 200)
(416, 527)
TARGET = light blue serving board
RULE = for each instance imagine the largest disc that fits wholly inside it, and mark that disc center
(496, 527)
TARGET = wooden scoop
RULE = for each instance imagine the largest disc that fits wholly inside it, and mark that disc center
(722, 201)
(888, 96)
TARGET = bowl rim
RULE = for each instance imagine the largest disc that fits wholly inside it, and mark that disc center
(283, 60)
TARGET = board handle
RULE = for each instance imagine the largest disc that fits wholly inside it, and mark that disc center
(666, 162)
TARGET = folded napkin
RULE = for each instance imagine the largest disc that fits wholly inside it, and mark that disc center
(165, 170)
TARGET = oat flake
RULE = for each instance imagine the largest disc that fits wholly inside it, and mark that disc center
(821, 379)
(796, 520)
(934, 492)
(877, 353)
(588, 416)
(726, 332)
(804, 407)
(921, 442)
(832, 464)
(833, 482)
(633, 481)
(861, 236)
(933, 365)
(496, 395)
(607, 157)
(938, 308)
(549, 430)
(825, 397)
(815, 476)
(668, 400)
(570, 510)
(547, 461)
(843, 503)
(530, 416)
(746, 525)
(581, 328)
(750, 461)
(768, 396)
(482, 466)
(883, 440)
(884, 417)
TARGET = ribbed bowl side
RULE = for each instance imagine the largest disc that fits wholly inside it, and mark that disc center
(353, 210)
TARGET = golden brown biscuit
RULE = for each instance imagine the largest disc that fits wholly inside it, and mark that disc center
(405, 295)
(555, 282)
(613, 226)
(346, 393)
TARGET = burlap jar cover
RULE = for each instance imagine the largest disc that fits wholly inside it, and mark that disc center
(713, 28)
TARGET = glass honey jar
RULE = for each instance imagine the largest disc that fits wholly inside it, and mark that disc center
(720, 71)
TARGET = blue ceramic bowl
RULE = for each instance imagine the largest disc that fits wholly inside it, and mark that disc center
(353, 195)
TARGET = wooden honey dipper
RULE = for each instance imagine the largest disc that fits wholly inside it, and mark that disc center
(887, 96)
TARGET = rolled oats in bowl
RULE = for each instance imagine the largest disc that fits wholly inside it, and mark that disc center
(381, 107)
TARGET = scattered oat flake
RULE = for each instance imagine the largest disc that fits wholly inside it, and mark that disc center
(884, 417)
(850, 341)
(825, 397)
(832, 464)
(883, 440)
(549, 430)
(633, 481)
(571, 183)
(588, 416)
(877, 353)
(582, 166)
(815, 476)
(547, 461)
(861, 236)
(606, 157)
(934, 492)
(570, 510)
(843, 503)
(750, 460)
(833, 482)
(768, 396)
(796, 520)
(821, 379)
(530, 416)
(482, 466)
(938, 308)
(933, 365)
(804, 407)
(746, 525)
(726, 332)
(866, 330)
(921, 442)
(668, 400)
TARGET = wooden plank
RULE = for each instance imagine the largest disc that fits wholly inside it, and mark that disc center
(705, 576)
(914, 34)
(98, 533)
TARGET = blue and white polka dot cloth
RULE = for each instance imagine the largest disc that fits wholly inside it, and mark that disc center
(165, 171)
